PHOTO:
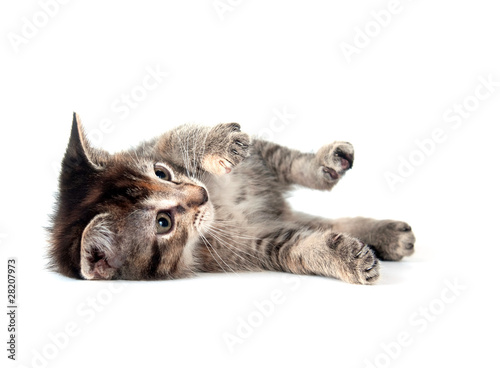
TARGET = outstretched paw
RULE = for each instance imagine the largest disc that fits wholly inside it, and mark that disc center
(392, 240)
(335, 159)
(226, 147)
(355, 262)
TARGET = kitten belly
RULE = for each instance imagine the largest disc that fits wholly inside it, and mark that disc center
(230, 200)
(245, 200)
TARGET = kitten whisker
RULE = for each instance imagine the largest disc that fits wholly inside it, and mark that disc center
(183, 152)
(229, 225)
(196, 157)
(203, 153)
(189, 153)
(217, 255)
(213, 233)
(235, 235)
(208, 248)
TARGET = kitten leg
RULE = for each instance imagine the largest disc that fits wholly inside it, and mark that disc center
(317, 171)
(216, 150)
(319, 252)
(391, 240)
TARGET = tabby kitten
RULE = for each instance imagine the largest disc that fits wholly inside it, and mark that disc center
(200, 199)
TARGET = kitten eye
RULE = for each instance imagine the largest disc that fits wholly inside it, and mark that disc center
(162, 172)
(163, 223)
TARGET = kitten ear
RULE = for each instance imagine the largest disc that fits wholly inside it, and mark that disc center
(80, 153)
(99, 254)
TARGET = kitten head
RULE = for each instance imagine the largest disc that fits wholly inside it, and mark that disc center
(129, 215)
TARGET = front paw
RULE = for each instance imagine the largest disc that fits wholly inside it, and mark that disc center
(226, 147)
(354, 261)
(392, 240)
(335, 159)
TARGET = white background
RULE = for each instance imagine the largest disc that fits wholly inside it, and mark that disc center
(256, 58)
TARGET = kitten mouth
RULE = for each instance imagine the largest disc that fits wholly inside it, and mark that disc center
(202, 218)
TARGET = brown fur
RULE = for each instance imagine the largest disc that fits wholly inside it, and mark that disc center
(219, 207)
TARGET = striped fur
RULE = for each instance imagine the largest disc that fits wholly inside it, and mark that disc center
(224, 195)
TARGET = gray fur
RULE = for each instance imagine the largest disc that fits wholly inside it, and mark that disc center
(246, 225)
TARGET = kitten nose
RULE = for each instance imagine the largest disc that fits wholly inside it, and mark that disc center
(204, 196)
(195, 196)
